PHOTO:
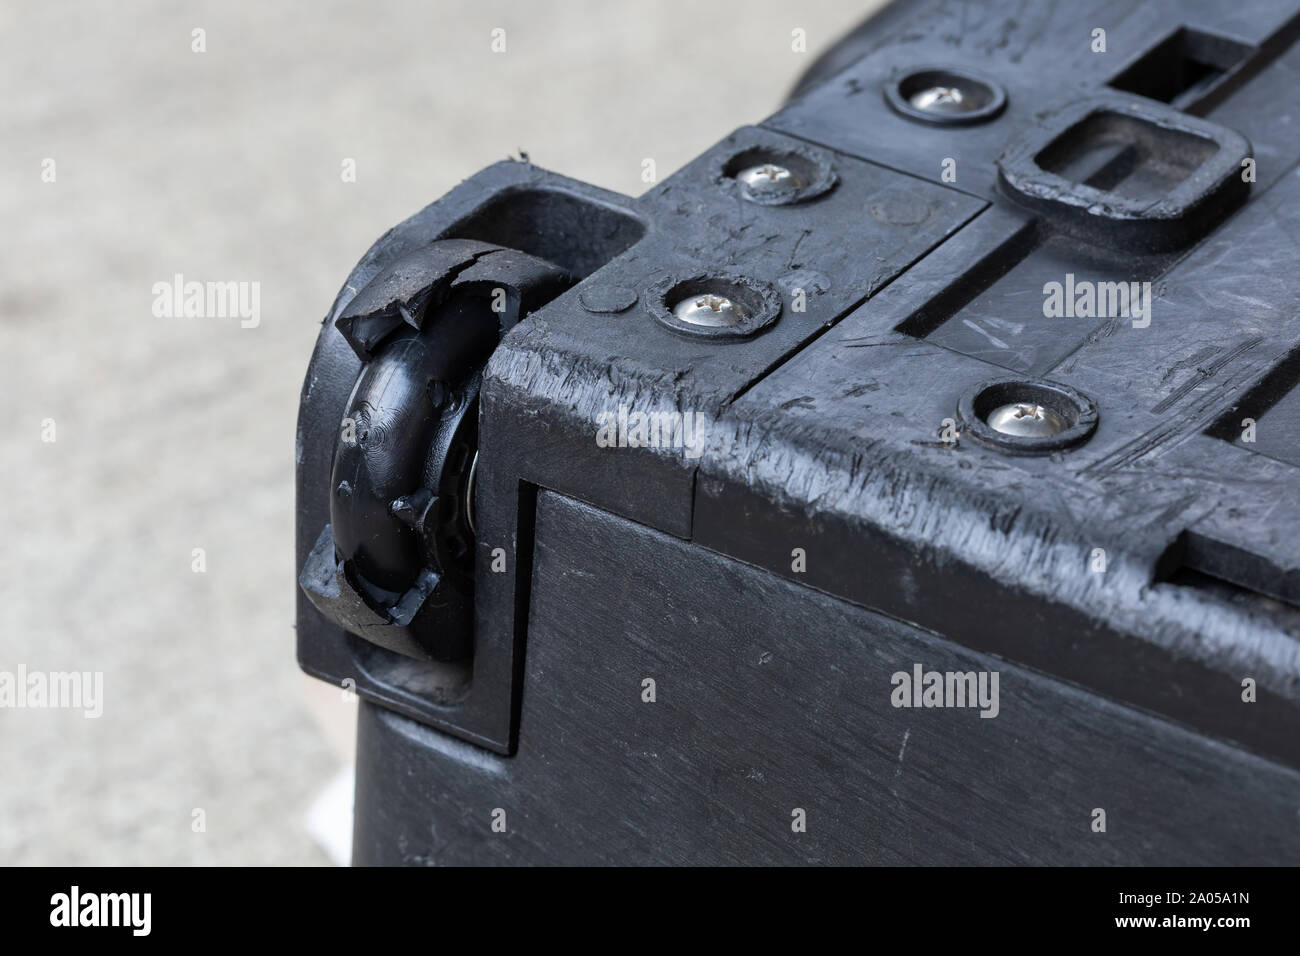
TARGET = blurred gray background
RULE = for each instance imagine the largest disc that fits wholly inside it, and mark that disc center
(173, 434)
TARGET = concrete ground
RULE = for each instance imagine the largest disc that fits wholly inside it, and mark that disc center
(128, 158)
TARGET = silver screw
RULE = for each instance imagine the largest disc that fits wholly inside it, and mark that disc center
(942, 99)
(768, 177)
(1026, 419)
(708, 309)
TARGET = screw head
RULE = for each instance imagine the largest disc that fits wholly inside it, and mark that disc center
(710, 310)
(946, 97)
(768, 177)
(942, 99)
(1027, 419)
(1022, 416)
